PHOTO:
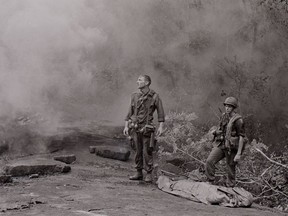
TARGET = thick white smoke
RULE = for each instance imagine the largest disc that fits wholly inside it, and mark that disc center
(79, 59)
(42, 46)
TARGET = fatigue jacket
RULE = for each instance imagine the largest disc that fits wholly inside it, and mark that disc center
(237, 130)
(143, 106)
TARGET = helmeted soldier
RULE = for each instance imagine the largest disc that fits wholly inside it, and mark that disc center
(228, 142)
(139, 125)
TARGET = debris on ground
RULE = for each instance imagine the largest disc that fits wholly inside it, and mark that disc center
(92, 149)
(4, 207)
(5, 179)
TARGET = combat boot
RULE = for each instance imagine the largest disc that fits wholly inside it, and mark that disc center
(148, 178)
(137, 176)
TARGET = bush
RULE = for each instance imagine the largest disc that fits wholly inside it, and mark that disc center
(264, 178)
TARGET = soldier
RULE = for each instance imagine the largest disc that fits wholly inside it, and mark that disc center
(229, 142)
(139, 125)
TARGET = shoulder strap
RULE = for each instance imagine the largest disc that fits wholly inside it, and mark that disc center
(135, 98)
(230, 123)
(154, 98)
(152, 101)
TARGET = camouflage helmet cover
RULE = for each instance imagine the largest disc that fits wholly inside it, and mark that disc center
(231, 101)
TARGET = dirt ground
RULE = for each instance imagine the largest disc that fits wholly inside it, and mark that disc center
(100, 186)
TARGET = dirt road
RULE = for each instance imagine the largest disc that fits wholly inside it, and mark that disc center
(99, 186)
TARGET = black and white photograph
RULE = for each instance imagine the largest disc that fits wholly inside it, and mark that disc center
(144, 107)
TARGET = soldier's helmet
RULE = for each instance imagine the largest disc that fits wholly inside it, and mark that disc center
(231, 101)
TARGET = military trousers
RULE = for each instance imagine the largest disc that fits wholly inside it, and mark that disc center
(144, 154)
(214, 157)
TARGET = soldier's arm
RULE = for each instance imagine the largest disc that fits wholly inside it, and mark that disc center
(240, 130)
(130, 110)
(241, 145)
(160, 129)
(128, 116)
(160, 110)
(161, 115)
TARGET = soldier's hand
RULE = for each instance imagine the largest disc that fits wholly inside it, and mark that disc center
(125, 131)
(159, 131)
(237, 158)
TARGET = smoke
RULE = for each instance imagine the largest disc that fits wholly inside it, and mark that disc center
(77, 60)
(42, 45)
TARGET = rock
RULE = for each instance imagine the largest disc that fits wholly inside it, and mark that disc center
(177, 161)
(68, 159)
(38, 166)
(92, 149)
(190, 166)
(113, 152)
(5, 179)
(166, 147)
(62, 169)
(171, 169)
(34, 176)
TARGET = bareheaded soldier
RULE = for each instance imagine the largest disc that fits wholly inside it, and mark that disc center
(139, 125)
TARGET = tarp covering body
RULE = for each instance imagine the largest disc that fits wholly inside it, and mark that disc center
(205, 192)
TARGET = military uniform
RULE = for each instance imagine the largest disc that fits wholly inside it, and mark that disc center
(220, 150)
(140, 115)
